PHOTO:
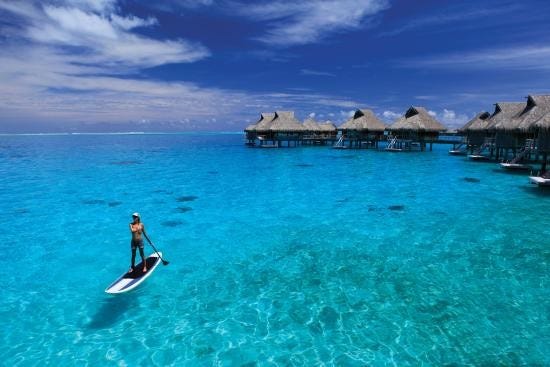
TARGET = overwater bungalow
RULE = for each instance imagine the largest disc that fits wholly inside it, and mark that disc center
(523, 131)
(260, 129)
(312, 132)
(317, 133)
(542, 128)
(311, 126)
(505, 125)
(364, 129)
(328, 130)
(474, 134)
(286, 128)
(535, 109)
(415, 129)
(494, 130)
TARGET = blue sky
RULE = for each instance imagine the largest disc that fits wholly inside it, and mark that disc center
(120, 65)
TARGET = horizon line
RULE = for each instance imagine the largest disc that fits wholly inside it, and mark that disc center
(126, 133)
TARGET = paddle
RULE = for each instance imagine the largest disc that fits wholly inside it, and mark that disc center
(164, 262)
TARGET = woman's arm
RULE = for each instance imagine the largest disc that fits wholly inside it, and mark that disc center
(145, 234)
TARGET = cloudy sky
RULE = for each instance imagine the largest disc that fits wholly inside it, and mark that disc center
(108, 65)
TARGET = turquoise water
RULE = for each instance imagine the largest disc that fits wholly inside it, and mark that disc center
(288, 257)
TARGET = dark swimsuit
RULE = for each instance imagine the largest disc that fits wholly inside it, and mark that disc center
(136, 243)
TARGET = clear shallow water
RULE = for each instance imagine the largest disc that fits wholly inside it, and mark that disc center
(301, 257)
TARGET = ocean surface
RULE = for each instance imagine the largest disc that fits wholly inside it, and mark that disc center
(278, 257)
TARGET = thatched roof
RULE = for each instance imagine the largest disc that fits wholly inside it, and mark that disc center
(327, 126)
(543, 123)
(417, 119)
(536, 108)
(263, 123)
(363, 120)
(479, 122)
(285, 121)
(311, 125)
(505, 116)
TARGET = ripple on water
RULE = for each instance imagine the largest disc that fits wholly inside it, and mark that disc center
(126, 163)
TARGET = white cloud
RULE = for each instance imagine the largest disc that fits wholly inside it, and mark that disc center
(449, 114)
(41, 81)
(91, 5)
(344, 115)
(38, 84)
(132, 22)
(303, 22)
(451, 119)
(390, 115)
(316, 73)
(311, 115)
(456, 14)
(426, 98)
(175, 4)
(104, 38)
(70, 26)
(524, 57)
(312, 98)
(448, 117)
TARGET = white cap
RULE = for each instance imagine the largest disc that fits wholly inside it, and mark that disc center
(136, 214)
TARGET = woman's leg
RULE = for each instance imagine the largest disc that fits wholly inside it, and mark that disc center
(143, 259)
(133, 260)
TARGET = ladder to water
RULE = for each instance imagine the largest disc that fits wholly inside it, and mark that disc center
(529, 145)
(484, 146)
(459, 147)
(340, 142)
(392, 143)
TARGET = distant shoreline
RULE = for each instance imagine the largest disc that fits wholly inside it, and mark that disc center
(130, 133)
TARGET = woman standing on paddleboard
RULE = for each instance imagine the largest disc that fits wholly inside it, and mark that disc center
(137, 228)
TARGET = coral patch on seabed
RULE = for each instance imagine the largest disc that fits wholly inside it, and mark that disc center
(172, 223)
(396, 207)
(93, 201)
(183, 199)
(183, 209)
(471, 179)
(115, 203)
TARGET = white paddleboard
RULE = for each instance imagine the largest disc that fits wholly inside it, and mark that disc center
(128, 281)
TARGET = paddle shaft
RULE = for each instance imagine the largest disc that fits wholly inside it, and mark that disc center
(164, 262)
